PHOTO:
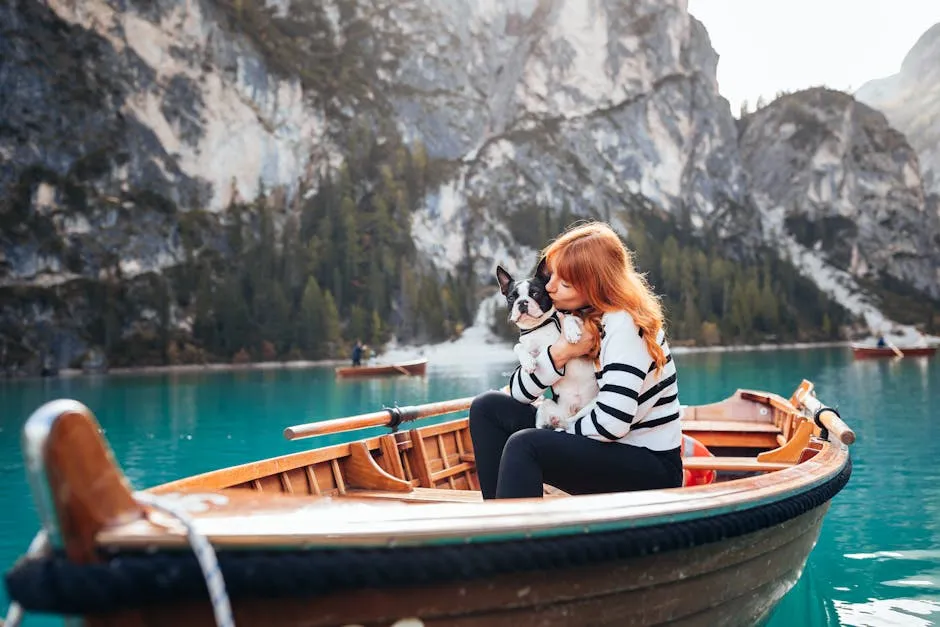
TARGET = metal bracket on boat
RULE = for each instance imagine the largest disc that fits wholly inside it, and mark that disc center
(394, 417)
(398, 415)
(823, 430)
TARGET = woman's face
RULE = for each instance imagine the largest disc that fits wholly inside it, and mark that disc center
(564, 295)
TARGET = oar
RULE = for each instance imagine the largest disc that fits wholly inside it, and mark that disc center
(390, 417)
(897, 351)
(401, 370)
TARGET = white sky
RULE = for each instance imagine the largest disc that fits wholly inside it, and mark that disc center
(766, 46)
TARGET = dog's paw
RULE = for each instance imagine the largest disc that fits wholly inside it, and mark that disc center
(575, 404)
(526, 359)
(572, 327)
(547, 416)
(541, 416)
(527, 362)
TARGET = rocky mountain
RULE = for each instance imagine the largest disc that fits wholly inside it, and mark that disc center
(593, 106)
(114, 118)
(137, 136)
(840, 190)
(911, 100)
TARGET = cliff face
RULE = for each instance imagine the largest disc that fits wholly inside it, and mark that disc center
(593, 108)
(116, 120)
(840, 188)
(911, 101)
(129, 128)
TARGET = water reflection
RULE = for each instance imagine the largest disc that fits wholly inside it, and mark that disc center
(889, 613)
(809, 603)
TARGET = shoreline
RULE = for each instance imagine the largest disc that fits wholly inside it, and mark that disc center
(399, 353)
(745, 348)
(210, 367)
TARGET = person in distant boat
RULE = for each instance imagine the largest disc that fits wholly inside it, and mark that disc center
(357, 351)
(882, 343)
(629, 436)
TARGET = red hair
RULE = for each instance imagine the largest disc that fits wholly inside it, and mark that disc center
(593, 260)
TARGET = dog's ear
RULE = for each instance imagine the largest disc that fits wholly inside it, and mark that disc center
(542, 271)
(505, 280)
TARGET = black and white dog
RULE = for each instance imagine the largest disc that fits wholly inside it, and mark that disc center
(531, 309)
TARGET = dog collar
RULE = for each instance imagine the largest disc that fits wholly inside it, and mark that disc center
(553, 319)
(582, 310)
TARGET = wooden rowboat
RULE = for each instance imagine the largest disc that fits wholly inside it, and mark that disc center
(864, 351)
(391, 530)
(414, 367)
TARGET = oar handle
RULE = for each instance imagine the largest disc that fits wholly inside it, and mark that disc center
(829, 419)
(389, 417)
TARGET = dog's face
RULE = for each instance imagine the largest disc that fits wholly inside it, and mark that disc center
(529, 303)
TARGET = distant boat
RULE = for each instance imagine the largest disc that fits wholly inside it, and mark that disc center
(864, 351)
(411, 368)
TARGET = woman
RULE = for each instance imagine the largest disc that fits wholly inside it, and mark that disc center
(629, 437)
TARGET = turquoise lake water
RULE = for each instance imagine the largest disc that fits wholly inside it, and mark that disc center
(877, 561)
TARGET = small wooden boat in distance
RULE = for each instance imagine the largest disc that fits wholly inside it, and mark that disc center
(411, 368)
(864, 351)
(391, 529)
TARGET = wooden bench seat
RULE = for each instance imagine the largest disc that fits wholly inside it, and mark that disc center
(737, 464)
(732, 464)
(729, 426)
(421, 495)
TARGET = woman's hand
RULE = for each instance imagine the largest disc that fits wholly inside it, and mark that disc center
(562, 351)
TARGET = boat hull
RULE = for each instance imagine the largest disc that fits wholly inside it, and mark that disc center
(733, 582)
(866, 352)
(417, 367)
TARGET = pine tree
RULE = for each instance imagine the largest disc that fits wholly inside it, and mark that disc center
(376, 335)
(233, 317)
(358, 325)
(332, 335)
(295, 261)
(205, 325)
(308, 332)
(277, 328)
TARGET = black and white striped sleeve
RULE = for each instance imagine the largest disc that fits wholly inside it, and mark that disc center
(625, 363)
(527, 387)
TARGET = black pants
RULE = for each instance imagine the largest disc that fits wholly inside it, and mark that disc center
(514, 458)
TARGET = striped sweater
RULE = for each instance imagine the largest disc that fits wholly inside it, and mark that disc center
(634, 406)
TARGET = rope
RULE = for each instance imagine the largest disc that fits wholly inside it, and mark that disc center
(39, 544)
(205, 555)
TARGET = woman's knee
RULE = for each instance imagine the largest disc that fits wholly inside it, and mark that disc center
(524, 441)
(481, 405)
(486, 405)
